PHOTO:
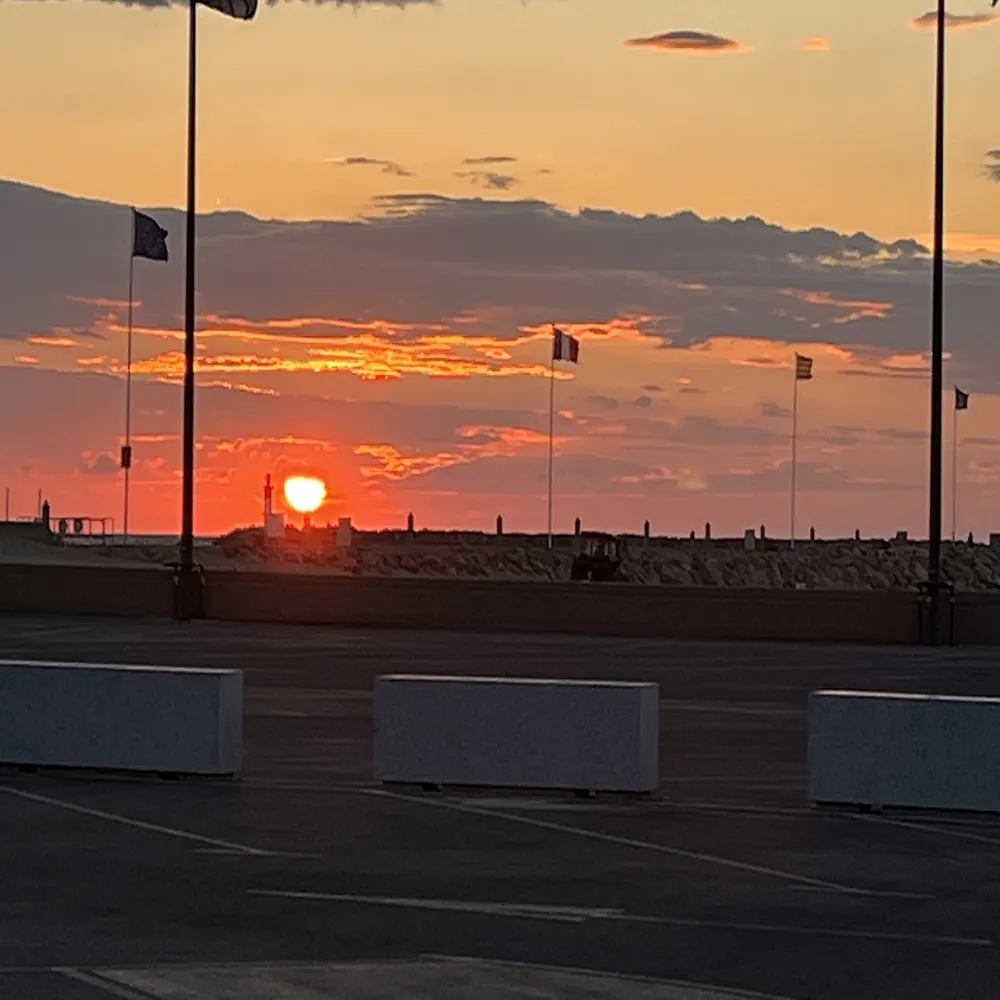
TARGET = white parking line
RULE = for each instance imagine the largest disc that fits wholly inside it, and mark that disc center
(526, 911)
(608, 838)
(99, 982)
(576, 915)
(135, 823)
(941, 831)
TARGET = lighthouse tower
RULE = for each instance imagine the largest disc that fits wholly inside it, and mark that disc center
(274, 524)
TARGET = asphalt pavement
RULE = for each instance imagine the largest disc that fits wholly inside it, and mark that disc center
(306, 879)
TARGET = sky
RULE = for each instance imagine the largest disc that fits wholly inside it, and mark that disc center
(403, 198)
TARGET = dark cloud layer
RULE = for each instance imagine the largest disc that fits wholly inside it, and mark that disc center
(386, 166)
(490, 179)
(955, 22)
(401, 4)
(422, 258)
(687, 41)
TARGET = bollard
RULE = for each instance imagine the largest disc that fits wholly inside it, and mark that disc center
(857, 534)
(645, 530)
(708, 531)
(692, 536)
(409, 523)
(812, 534)
(576, 527)
(972, 541)
(499, 524)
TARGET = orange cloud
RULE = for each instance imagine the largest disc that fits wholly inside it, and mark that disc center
(44, 341)
(815, 44)
(856, 308)
(369, 361)
(477, 441)
(26, 359)
(697, 42)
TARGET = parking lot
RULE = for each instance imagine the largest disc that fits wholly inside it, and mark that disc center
(306, 880)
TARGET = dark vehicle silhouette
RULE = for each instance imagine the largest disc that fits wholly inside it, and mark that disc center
(599, 559)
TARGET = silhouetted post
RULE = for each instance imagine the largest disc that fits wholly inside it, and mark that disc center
(409, 523)
(186, 583)
(857, 534)
(645, 531)
(972, 541)
(46, 513)
(812, 534)
(576, 526)
(6, 505)
(692, 534)
(708, 531)
(937, 337)
(499, 524)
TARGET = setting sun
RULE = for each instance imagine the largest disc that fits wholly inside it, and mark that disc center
(304, 493)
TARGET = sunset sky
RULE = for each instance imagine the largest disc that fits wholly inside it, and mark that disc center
(696, 189)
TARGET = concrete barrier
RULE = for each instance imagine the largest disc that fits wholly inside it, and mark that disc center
(907, 750)
(160, 719)
(583, 735)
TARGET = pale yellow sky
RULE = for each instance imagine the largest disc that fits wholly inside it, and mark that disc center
(94, 104)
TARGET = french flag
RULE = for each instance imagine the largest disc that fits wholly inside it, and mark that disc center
(565, 347)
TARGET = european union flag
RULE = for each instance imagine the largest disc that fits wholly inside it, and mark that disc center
(149, 238)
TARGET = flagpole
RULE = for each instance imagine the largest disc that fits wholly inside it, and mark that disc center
(127, 456)
(795, 435)
(185, 608)
(954, 470)
(552, 400)
(937, 337)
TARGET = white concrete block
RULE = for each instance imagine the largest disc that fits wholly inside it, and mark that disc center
(162, 719)
(918, 751)
(491, 731)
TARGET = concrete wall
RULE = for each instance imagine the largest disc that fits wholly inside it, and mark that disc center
(586, 609)
(86, 590)
(484, 605)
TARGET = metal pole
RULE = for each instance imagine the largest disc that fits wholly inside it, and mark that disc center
(954, 475)
(795, 435)
(937, 338)
(552, 400)
(187, 513)
(128, 380)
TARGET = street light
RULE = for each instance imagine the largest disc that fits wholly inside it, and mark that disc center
(937, 340)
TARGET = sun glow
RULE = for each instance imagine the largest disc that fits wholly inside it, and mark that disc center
(304, 494)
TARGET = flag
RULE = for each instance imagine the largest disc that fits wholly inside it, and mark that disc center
(565, 347)
(242, 10)
(149, 238)
(803, 367)
(961, 399)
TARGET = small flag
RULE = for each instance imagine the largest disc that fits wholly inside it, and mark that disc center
(126, 456)
(149, 238)
(961, 399)
(242, 10)
(565, 347)
(803, 367)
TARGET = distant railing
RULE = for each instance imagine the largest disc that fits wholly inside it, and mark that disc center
(102, 528)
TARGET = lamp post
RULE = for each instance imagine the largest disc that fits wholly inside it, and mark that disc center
(937, 340)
